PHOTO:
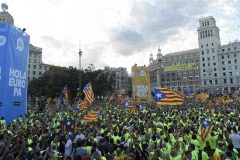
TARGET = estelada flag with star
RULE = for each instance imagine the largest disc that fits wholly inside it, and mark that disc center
(129, 107)
(88, 91)
(165, 96)
(206, 129)
(69, 125)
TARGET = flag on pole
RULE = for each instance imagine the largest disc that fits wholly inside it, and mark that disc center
(88, 91)
(206, 128)
(165, 96)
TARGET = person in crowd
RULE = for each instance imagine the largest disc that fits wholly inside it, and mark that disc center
(152, 132)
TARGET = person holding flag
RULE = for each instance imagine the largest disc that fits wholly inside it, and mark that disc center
(64, 97)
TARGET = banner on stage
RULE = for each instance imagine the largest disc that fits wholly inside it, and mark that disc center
(14, 52)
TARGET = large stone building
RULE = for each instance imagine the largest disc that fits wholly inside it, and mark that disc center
(121, 79)
(35, 67)
(211, 67)
(178, 71)
(219, 63)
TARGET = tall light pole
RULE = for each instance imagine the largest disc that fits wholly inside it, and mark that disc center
(80, 56)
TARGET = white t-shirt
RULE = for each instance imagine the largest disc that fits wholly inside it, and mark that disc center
(235, 137)
(68, 148)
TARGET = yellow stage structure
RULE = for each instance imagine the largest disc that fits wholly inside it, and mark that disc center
(141, 89)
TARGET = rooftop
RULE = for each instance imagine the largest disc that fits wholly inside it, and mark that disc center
(182, 52)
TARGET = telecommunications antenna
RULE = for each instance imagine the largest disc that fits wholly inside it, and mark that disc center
(4, 7)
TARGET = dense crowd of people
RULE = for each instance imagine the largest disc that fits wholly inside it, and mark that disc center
(152, 132)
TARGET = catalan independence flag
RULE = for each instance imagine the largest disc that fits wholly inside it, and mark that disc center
(88, 91)
(165, 96)
(69, 125)
(206, 128)
(129, 107)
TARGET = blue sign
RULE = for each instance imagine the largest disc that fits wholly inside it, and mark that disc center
(14, 51)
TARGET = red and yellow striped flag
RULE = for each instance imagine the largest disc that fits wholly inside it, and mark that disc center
(165, 96)
(131, 109)
(84, 104)
(92, 116)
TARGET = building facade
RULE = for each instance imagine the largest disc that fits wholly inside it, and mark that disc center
(121, 79)
(178, 71)
(229, 60)
(6, 17)
(219, 63)
(211, 67)
(35, 65)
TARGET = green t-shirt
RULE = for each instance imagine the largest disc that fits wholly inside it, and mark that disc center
(213, 141)
(195, 155)
(196, 143)
(204, 156)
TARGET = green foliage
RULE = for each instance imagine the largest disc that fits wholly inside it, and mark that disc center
(51, 83)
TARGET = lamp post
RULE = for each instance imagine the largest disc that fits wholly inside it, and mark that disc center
(80, 56)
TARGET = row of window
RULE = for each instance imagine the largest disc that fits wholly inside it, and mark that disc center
(207, 45)
(230, 67)
(209, 64)
(34, 55)
(224, 74)
(205, 23)
(34, 61)
(180, 83)
(185, 56)
(229, 56)
(207, 33)
(34, 73)
(229, 61)
(216, 81)
(191, 73)
(214, 63)
(208, 51)
(208, 58)
(35, 67)
(229, 49)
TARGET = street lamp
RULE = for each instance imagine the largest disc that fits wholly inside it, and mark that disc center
(80, 55)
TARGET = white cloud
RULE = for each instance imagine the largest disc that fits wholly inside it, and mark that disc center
(120, 32)
(228, 6)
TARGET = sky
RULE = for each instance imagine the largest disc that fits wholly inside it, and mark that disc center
(119, 33)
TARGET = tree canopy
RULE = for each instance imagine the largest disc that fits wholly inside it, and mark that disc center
(52, 82)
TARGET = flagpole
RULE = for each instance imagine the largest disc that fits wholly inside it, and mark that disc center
(80, 56)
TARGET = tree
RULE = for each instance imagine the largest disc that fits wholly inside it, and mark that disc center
(52, 82)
